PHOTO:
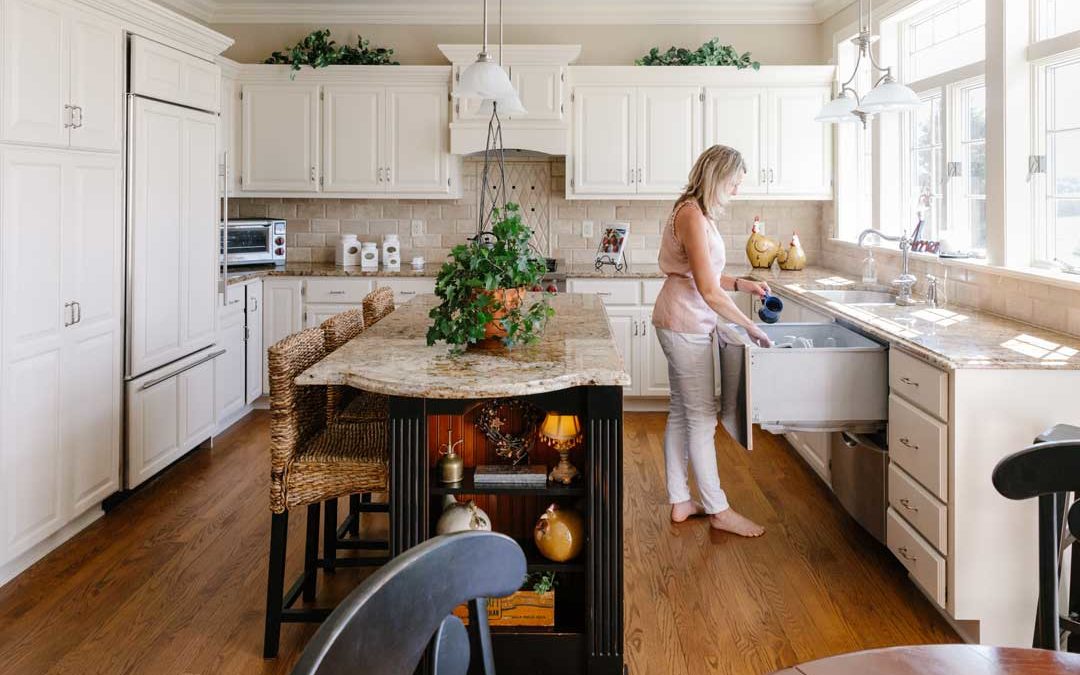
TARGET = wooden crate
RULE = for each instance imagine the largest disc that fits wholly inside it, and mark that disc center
(523, 608)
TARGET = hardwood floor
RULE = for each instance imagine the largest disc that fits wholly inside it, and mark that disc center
(173, 580)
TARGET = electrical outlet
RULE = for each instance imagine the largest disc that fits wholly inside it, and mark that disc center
(586, 228)
(417, 228)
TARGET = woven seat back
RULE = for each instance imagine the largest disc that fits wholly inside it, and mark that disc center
(297, 412)
(378, 304)
(337, 330)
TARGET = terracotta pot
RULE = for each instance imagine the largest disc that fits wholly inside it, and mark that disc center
(507, 298)
(560, 534)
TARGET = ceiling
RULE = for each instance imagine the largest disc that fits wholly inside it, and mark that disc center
(549, 12)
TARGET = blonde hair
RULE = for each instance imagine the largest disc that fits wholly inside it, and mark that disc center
(713, 172)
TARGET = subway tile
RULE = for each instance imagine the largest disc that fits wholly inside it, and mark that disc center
(397, 210)
(600, 211)
(569, 212)
(455, 212)
(323, 255)
(311, 209)
(297, 225)
(250, 209)
(326, 225)
(368, 209)
(341, 211)
(380, 227)
(281, 210)
(354, 227)
(306, 239)
(299, 255)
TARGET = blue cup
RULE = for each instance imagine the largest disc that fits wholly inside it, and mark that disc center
(771, 306)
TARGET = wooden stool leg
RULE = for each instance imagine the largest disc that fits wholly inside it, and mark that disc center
(330, 507)
(275, 583)
(311, 552)
(354, 513)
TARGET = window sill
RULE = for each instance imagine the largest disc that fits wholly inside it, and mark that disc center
(1029, 274)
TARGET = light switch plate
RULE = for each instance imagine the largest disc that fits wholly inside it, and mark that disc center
(586, 228)
(417, 228)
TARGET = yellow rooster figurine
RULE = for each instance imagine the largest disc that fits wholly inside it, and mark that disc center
(794, 258)
(761, 250)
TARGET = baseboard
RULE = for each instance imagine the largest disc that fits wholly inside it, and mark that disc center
(642, 404)
(25, 560)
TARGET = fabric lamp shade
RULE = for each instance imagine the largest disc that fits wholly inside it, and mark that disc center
(561, 431)
(889, 96)
(840, 109)
(484, 79)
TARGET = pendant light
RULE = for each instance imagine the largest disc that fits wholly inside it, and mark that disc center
(888, 95)
(484, 78)
(510, 103)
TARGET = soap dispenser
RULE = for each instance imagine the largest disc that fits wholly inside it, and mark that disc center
(869, 268)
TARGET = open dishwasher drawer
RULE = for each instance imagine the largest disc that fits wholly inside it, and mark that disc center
(817, 377)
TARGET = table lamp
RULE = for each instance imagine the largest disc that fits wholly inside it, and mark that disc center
(562, 432)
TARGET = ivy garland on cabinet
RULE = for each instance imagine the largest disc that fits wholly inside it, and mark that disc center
(318, 51)
(710, 53)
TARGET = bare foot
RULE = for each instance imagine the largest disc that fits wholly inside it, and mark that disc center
(683, 510)
(736, 523)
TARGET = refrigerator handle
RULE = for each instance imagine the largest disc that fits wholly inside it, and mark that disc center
(225, 228)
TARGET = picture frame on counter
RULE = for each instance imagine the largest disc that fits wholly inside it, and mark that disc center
(612, 247)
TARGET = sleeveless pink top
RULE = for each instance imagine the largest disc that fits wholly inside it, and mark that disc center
(680, 306)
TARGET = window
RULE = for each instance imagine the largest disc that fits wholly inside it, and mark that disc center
(855, 169)
(942, 35)
(1058, 17)
(926, 158)
(1057, 233)
(970, 210)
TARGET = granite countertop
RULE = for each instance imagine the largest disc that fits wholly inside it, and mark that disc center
(564, 271)
(393, 358)
(951, 337)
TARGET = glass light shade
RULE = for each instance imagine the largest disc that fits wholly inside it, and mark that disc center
(560, 429)
(508, 105)
(889, 96)
(484, 79)
(840, 109)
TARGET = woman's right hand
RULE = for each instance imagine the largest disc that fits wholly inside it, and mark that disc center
(758, 336)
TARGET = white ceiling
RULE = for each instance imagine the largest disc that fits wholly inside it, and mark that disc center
(549, 12)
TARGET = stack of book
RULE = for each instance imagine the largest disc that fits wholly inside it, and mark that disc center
(489, 475)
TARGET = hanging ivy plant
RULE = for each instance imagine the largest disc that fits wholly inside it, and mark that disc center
(318, 51)
(711, 53)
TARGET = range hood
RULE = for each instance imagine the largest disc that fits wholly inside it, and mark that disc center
(539, 74)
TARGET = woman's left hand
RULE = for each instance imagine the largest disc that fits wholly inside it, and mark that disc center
(758, 288)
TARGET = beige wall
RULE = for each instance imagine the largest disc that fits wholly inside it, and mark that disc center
(780, 44)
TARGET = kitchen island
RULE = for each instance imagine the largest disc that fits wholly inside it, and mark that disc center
(574, 369)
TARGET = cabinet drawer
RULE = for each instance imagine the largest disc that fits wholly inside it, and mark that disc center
(406, 289)
(338, 290)
(610, 292)
(923, 563)
(920, 445)
(922, 384)
(650, 288)
(918, 507)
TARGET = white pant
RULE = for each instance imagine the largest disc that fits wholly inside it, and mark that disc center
(691, 420)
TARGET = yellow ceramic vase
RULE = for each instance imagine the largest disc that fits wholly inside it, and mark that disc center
(761, 250)
(560, 534)
(794, 258)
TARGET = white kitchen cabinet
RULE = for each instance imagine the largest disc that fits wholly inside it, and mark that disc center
(735, 116)
(229, 134)
(416, 140)
(653, 367)
(61, 257)
(353, 158)
(161, 72)
(800, 148)
(315, 314)
(406, 288)
(195, 387)
(230, 380)
(62, 76)
(625, 328)
(283, 312)
(668, 138)
(280, 130)
(604, 148)
(254, 346)
(176, 210)
(540, 88)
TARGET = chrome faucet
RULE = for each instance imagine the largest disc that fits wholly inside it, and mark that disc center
(906, 280)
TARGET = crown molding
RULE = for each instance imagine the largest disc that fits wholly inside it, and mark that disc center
(825, 9)
(153, 20)
(514, 54)
(467, 12)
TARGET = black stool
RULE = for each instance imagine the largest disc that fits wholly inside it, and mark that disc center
(1050, 470)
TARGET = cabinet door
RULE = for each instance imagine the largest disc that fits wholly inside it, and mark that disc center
(800, 149)
(152, 428)
(201, 242)
(254, 318)
(626, 329)
(282, 315)
(229, 132)
(315, 314)
(654, 370)
(35, 72)
(669, 137)
(540, 90)
(417, 140)
(604, 141)
(166, 74)
(33, 324)
(280, 128)
(195, 388)
(353, 119)
(97, 83)
(93, 361)
(230, 384)
(736, 117)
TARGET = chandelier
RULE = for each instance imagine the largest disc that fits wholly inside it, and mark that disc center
(887, 95)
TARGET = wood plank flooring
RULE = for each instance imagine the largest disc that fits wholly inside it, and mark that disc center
(173, 580)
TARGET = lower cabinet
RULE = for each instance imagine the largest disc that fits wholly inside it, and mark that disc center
(282, 314)
(253, 312)
(230, 381)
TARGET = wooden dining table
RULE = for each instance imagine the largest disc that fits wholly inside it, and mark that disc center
(942, 660)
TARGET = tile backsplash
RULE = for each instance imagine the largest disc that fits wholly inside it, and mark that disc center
(316, 224)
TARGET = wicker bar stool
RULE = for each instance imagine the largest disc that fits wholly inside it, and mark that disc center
(347, 405)
(378, 304)
(310, 462)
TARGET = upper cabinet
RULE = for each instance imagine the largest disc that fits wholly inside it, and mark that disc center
(352, 131)
(63, 77)
(637, 131)
(168, 74)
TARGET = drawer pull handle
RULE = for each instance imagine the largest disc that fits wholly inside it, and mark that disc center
(234, 302)
(407, 292)
(908, 380)
(907, 443)
(337, 292)
(603, 293)
(905, 555)
(907, 505)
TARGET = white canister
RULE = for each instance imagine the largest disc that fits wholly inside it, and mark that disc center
(369, 257)
(391, 253)
(348, 251)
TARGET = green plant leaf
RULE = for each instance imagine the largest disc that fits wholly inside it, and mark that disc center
(710, 53)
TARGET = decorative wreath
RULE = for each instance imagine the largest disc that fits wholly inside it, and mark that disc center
(513, 447)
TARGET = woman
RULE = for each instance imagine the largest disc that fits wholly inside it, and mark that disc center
(686, 313)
